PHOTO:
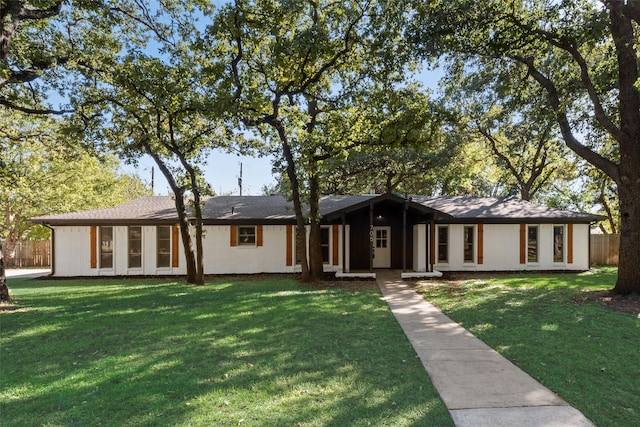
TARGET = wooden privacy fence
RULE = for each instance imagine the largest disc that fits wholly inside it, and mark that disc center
(32, 253)
(604, 249)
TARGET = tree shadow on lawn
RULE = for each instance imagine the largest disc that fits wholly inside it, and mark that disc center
(266, 353)
(585, 352)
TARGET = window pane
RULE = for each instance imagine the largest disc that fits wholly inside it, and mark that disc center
(106, 247)
(468, 244)
(163, 246)
(135, 247)
(246, 235)
(324, 244)
(443, 244)
(558, 244)
(164, 232)
(295, 243)
(532, 247)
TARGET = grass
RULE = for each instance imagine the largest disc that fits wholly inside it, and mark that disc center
(585, 352)
(231, 353)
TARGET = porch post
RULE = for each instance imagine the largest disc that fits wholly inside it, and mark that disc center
(404, 236)
(427, 239)
(344, 244)
(433, 243)
(371, 237)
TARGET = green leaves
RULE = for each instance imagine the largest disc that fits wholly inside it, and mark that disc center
(42, 174)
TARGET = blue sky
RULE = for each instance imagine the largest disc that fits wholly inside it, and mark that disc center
(221, 172)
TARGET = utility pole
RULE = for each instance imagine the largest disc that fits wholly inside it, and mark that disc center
(152, 170)
(240, 179)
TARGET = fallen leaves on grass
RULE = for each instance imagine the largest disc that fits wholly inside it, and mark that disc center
(622, 303)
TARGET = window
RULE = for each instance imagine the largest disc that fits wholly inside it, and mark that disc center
(381, 238)
(247, 236)
(443, 244)
(106, 247)
(295, 245)
(135, 247)
(324, 244)
(469, 255)
(163, 246)
(532, 243)
(558, 243)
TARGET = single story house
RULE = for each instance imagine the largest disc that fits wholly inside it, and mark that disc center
(360, 233)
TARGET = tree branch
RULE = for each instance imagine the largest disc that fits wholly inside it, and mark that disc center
(602, 163)
(564, 43)
(28, 110)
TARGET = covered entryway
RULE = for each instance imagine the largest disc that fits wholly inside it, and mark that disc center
(386, 232)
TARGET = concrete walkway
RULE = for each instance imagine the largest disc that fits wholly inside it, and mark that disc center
(478, 386)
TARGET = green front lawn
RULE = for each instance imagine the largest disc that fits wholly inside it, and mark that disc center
(230, 353)
(580, 349)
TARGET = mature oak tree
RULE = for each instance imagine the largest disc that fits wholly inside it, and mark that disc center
(159, 99)
(26, 64)
(508, 114)
(293, 66)
(583, 55)
(41, 175)
(404, 145)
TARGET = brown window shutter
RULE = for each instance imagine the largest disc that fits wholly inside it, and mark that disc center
(336, 258)
(480, 243)
(233, 235)
(523, 243)
(289, 245)
(570, 243)
(93, 248)
(174, 246)
(259, 235)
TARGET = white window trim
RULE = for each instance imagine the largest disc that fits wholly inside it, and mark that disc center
(141, 248)
(537, 262)
(255, 237)
(329, 243)
(474, 234)
(168, 267)
(295, 249)
(564, 244)
(437, 237)
(113, 248)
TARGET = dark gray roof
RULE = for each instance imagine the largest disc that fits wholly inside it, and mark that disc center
(494, 208)
(151, 209)
(277, 209)
(244, 208)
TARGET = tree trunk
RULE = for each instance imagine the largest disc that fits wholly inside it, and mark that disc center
(197, 210)
(9, 251)
(4, 290)
(628, 265)
(622, 30)
(181, 209)
(199, 279)
(189, 254)
(315, 243)
(301, 234)
(525, 194)
(9, 247)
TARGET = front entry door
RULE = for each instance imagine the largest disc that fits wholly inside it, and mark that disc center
(381, 247)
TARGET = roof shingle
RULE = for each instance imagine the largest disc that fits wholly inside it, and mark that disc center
(277, 209)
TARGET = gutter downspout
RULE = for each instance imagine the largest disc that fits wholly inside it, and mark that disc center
(52, 254)
(344, 243)
(404, 236)
(591, 224)
(371, 237)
